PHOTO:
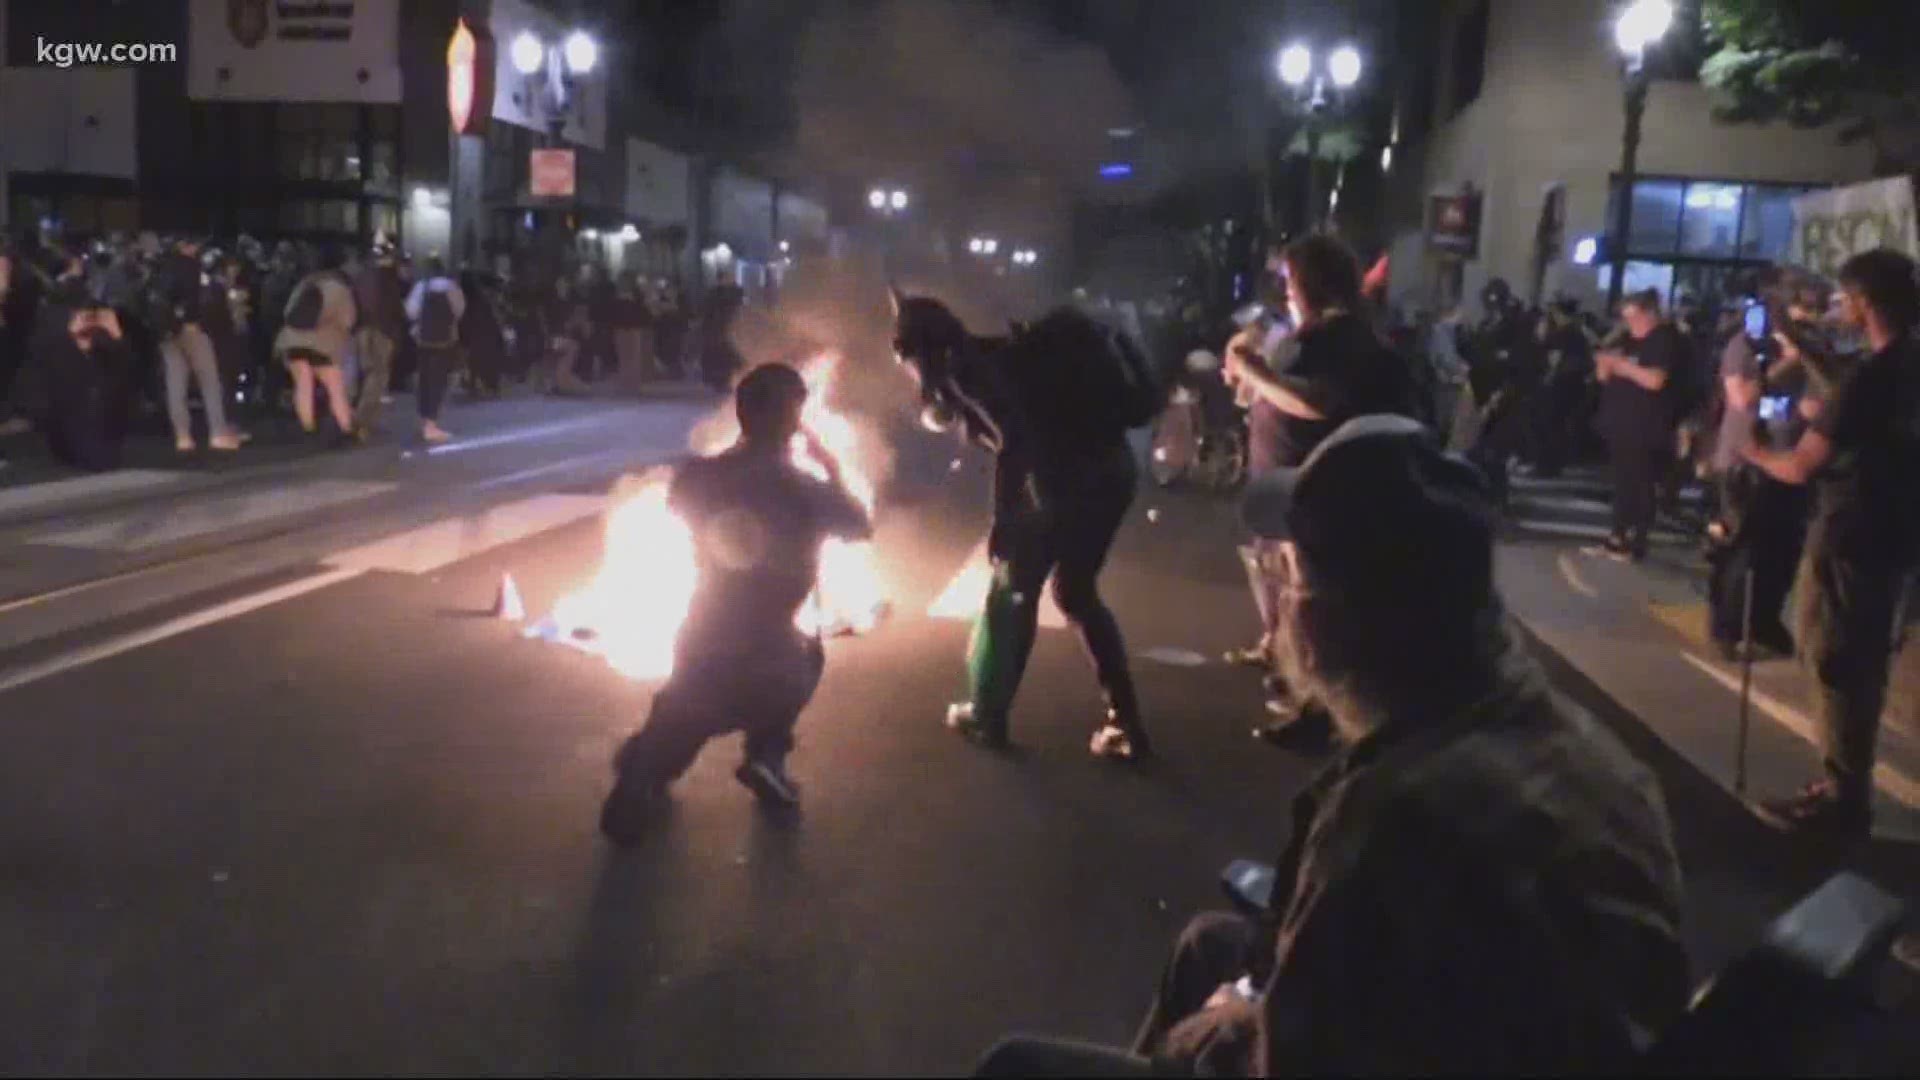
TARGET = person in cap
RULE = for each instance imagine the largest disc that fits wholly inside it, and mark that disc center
(1484, 881)
(739, 663)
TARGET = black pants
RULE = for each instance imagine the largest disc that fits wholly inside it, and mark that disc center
(1068, 542)
(1637, 467)
(760, 694)
(1214, 949)
(1847, 607)
(1030, 1056)
(436, 367)
(1767, 544)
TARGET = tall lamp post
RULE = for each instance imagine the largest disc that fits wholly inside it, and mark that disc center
(1311, 83)
(1639, 28)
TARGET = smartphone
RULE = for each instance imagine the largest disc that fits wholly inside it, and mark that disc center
(1249, 314)
(1775, 408)
(1756, 320)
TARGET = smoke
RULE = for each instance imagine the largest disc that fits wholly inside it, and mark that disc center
(954, 94)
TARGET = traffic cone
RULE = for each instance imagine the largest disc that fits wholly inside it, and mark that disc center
(506, 603)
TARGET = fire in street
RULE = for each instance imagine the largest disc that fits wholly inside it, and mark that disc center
(631, 611)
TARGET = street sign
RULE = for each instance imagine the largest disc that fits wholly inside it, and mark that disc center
(550, 174)
(470, 65)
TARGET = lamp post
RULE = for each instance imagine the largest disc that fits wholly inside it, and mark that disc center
(563, 62)
(1640, 27)
(1314, 86)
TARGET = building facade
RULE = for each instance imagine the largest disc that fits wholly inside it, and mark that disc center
(1518, 105)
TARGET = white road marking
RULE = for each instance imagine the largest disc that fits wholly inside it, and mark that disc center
(967, 592)
(140, 529)
(559, 466)
(1896, 784)
(1594, 532)
(55, 492)
(32, 673)
(460, 446)
(431, 547)
(1573, 578)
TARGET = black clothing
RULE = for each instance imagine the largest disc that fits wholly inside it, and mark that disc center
(1342, 369)
(1633, 415)
(1860, 495)
(436, 363)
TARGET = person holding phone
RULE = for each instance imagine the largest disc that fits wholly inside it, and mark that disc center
(1637, 418)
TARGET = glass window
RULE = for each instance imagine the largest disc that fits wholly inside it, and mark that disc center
(384, 218)
(1642, 275)
(1766, 229)
(1655, 229)
(1711, 222)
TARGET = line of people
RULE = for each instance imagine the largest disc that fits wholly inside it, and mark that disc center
(257, 333)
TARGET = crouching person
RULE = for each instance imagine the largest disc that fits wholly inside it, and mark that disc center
(1484, 882)
(739, 663)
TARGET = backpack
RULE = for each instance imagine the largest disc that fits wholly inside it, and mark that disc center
(308, 302)
(438, 327)
(1086, 375)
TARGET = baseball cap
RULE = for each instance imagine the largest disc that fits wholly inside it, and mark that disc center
(1378, 505)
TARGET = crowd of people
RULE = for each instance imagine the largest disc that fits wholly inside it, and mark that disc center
(1545, 935)
(96, 335)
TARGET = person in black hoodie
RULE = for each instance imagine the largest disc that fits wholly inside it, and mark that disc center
(1339, 369)
(82, 357)
(480, 332)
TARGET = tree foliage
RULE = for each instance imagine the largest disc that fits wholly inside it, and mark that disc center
(1818, 62)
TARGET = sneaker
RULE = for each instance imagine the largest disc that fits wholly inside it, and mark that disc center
(769, 782)
(1116, 743)
(185, 445)
(1614, 548)
(1818, 808)
(988, 733)
(434, 433)
(1254, 656)
(224, 442)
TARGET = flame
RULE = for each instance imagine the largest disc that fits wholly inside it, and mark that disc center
(632, 609)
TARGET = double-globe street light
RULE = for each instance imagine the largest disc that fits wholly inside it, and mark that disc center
(1314, 87)
(887, 202)
(1640, 27)
(562, 62)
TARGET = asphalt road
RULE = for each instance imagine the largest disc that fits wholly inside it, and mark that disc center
(354, 832)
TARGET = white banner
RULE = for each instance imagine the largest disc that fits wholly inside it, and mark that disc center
(1831, 226)
(294, 50)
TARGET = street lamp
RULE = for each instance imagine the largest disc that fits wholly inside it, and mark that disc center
(877, 199)
(1310, 88)
(528, 53)
(1344, 66)
(581, 52)
(563, 62)
(898, 201)
(1640, 27)
(1296, 65)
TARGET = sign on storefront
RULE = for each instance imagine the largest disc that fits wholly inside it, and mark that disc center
(550, 174)
(1453, 224)
(470, 64)
(1831, 226)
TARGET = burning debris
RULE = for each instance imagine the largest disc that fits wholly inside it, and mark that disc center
(632, 610)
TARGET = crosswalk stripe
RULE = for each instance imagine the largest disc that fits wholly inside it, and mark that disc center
(1896, 784)
(450, 540)
(32, 673)
(967, 592)
(143, 528)
(54, 493)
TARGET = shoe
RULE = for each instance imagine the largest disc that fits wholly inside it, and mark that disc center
(1116, 743)
(1818, 809)
(769, 782)
(185, 446)
(1254, 656)
(224, 442)
(434, 433)
(630, 810)
(243, 437)
(1310, 729)
(991, 734)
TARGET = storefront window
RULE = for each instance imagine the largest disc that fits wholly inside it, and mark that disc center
(1766, 229)
(320, 142)
(1655, 228)
(1711, 222)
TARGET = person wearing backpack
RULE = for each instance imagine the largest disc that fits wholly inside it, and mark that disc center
(1860, 457)
(1053, 403)
(434, 307)
(314, 338)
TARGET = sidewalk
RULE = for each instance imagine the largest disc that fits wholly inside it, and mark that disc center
(1638, 634)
